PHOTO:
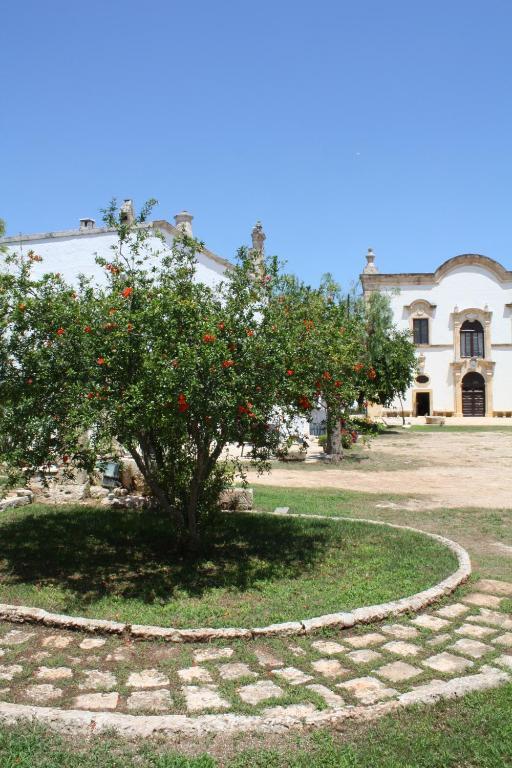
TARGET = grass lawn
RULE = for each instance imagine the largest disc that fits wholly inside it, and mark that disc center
(254, 570)
(473, 732)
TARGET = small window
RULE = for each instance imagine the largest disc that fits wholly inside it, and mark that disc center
(420, 330)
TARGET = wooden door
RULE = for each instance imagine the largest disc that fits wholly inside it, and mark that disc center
(473, 395)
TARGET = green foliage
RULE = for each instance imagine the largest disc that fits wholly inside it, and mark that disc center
(172, 369)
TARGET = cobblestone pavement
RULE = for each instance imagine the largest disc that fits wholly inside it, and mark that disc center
(470, 635)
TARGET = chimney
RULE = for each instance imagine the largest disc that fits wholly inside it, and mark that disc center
(370, 268)
(184, 222)
(127, 213)
(87, 224)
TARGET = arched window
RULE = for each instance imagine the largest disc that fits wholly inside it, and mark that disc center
(471, 339)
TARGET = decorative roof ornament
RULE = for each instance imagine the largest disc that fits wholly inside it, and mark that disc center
(127, 212)
(258, 238)
(370, 268)
(183, 221)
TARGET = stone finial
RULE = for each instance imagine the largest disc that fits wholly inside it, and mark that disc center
(127, 212)
(258, 238)
(183, 221)
(370, 268)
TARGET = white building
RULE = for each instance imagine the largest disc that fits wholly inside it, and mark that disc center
(460, 317)
(72, 251)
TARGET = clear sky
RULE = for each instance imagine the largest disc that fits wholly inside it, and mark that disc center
(341, 125)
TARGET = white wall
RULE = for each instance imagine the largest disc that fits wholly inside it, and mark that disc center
(75, 254)
(464, 287)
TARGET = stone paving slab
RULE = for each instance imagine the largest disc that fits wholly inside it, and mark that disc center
(483, 600)
(329, 668)
(493, 587)
(367, 690)
(364, 656)
(452, 611)
(398, 671)
(448, 663)
(329, 647)
(475, 631)
(402, 648)
(199, 698)
(473, 648)
(433, 623)
(255, 693)
(69, 671)
(366, 641)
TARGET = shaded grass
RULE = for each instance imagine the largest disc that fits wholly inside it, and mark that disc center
(254, 569)
(473, 732)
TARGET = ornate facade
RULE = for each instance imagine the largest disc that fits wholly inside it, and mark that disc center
(460, 317)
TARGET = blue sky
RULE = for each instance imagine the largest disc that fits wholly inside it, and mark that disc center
(341, 125)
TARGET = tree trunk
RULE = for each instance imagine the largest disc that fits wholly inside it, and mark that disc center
(333, 442)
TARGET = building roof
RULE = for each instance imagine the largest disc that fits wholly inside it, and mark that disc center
(161, 225)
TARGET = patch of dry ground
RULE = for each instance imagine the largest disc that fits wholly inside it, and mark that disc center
(445, 469)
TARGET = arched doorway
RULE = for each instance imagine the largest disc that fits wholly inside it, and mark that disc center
(473, 394)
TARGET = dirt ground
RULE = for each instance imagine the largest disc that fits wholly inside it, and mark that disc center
(450, 469)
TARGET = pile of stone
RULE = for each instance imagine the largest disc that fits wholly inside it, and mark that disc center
(16, 498)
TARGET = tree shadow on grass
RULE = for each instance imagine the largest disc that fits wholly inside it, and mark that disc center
(93, 553)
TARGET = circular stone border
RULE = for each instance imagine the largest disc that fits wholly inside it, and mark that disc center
(281, 720)
(344, 619)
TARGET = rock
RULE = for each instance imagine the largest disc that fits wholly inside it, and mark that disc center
(330, 698)
(16, 637)
(473, 648)
(329, 668)
(147, 678)
(56, 641)
(191, 674)
(153, 701)
(237, 498)
(260, 691)
(92, 642)
(398, 671)
(367, 689)
(212, 654)
(97, 492)
(447, 663)
(365, 641)
(328, 647)
(198, 698)
(64, 493)
(54, 673)
(401, 648)
(8, 671)
(42, 693)
(93, 701)
(98, 680)
(365, 656)
(292, 675)
(235, 671)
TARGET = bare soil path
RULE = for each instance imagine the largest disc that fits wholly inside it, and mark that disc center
(450, 469)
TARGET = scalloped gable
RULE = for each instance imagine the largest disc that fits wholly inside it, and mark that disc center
(374, 281)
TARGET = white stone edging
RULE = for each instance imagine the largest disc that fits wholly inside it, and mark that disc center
(86, 722)
(341, 620)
